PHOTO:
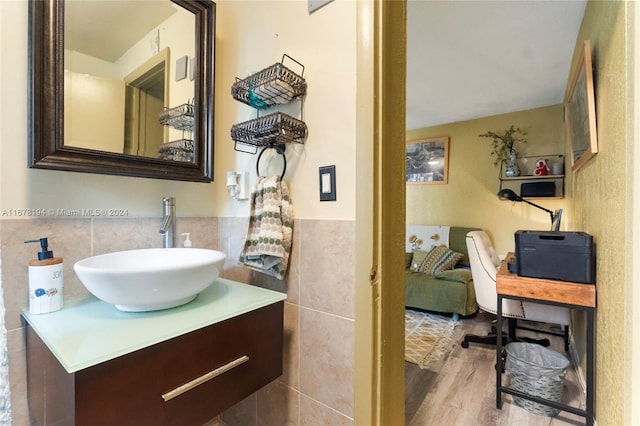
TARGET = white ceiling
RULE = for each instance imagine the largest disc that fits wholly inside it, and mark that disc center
(473, 59)
(466, 59)
(107, 29)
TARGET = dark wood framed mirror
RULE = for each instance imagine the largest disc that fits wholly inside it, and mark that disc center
(47, 109)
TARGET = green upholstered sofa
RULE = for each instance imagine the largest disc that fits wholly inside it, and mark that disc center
(449, 291)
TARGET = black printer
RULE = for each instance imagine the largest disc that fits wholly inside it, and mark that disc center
(564, 256)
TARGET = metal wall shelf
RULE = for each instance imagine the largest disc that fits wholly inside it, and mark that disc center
(527, 165)
(273, 129)
(529, 177)
(272, 86)
(180, 117)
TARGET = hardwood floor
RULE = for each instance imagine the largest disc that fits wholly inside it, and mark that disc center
(463, 392)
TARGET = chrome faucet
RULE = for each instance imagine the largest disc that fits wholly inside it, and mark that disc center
(168, 227)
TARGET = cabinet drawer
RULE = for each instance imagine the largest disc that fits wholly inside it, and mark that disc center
(220, 365)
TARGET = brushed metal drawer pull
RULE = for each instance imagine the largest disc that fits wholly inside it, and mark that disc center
(204, 378)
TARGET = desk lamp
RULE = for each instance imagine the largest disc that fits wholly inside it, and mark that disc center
(508, 194)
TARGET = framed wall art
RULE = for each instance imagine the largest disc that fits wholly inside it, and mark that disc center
(427, 161)
(580, 112)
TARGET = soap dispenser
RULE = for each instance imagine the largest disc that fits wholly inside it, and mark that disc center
(45, 280)
(187, 241)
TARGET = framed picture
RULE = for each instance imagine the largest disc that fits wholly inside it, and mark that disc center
(427, 161)
(580, 112)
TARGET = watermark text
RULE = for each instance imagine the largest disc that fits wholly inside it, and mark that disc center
(59, 212)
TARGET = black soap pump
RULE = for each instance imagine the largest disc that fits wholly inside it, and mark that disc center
(45, 280)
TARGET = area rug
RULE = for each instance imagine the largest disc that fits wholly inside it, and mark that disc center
(428, 338)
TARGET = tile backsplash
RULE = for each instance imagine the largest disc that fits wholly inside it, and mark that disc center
(317, 380)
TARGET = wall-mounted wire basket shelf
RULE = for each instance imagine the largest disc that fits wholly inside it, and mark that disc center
(270, 130)
(178, 150)
(527, 166)
(274, 85)
(180, 117)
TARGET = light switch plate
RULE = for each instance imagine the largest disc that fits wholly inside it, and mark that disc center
(154, 42)
(181, 68)
(328, 183)
(317, 4)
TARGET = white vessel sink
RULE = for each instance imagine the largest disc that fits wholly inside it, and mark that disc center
(150, 279)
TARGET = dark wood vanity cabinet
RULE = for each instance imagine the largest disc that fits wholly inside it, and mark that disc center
(232, 359)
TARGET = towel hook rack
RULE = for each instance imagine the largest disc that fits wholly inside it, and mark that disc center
(279, 150)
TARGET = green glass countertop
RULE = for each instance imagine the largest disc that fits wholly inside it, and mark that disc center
(88, 331)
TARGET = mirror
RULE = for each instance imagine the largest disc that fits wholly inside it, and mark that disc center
(136, 100)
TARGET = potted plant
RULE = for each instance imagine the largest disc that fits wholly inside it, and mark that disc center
(504, 148)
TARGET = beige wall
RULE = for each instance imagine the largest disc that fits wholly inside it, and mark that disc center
(320, 311)
(469, 199)
(95, 125)
(246, 42)
(325, 44)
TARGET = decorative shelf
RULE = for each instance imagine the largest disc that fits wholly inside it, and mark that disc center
(180, 117)
(273, 129)
(532, 177)
(527, 165)
(178, 150)
(274, 85)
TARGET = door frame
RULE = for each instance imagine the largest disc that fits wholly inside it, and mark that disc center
(380, 212)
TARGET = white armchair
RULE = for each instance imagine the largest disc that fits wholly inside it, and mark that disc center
(484, 267)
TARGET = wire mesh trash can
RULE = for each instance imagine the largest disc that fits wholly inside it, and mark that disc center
(538, 371)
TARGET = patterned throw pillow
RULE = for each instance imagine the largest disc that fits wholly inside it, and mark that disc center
(440, 259)
(417, 259)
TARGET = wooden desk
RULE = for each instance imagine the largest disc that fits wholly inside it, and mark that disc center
(550, 292)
